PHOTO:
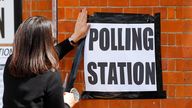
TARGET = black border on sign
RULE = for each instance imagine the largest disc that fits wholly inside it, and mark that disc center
(138, 18)
(17, 13)
(158, 53)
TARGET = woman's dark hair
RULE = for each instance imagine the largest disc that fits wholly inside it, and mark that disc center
(33, 48)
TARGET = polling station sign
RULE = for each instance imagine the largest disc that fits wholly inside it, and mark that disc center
(120, 57)
(121, 60)
(10, 18)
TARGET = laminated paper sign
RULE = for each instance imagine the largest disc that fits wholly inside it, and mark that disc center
(122, 59)
(10, 18)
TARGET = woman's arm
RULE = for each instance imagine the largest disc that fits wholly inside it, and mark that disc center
(81, 28)
(63, 48)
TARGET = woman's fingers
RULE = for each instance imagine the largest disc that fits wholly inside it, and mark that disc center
(78, 18)
(83, 16)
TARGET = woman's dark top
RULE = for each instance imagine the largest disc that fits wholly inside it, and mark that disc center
(38, 91)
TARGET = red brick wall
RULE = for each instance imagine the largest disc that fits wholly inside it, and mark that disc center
(176, 44)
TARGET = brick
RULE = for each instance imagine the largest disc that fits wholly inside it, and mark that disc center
(173, 103)
(187, 25)
(176, 26)
(60, 3)
(188, 103)
(99, 2)
(66, 26)
(180, 91)
(171, 39)
(144, 3)
(120, 104)
(187, 2)
(171, 90)
(187, 52)
(187, 65)
(26, 5)
(118, 3)
(175, 2)
(171, 13)
(174, 52)
(184, 40)
(173, 77)
(145, 11)
(115, 10)
(146, 103)
(81, 65)
(184, 91)
(172, 26)
(178, 39)
(187, 91)
(43, 5)
(179, 65)
(61, 13)
(164, 39)
(94, 103)
(68, 13)
(68, 63)
(188, 77)
(164, 51)
(84, 3)
(93, 2)
(64, 3)
(61, 65)
(171, 64)
(165, 77)
(184, 12)
(164, 64)
(33, 4)
(47, 14)
(162, 11)
(130, 10)
(79, 77)
(61, 37)
(76, 12)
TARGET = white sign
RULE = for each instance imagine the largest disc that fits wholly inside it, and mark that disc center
(120, 57)
(5, 52)
(6, 21)
(1, 85)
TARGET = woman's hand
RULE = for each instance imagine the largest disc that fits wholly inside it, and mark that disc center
(81, 26)
(69, 99)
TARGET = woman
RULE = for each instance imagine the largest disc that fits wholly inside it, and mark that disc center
(31, 77)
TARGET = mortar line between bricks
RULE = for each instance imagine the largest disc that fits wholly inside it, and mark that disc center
(107, 6)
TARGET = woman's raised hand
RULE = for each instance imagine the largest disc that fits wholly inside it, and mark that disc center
(81, 26)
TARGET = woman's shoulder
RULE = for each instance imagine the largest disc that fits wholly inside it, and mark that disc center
(52, 75)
